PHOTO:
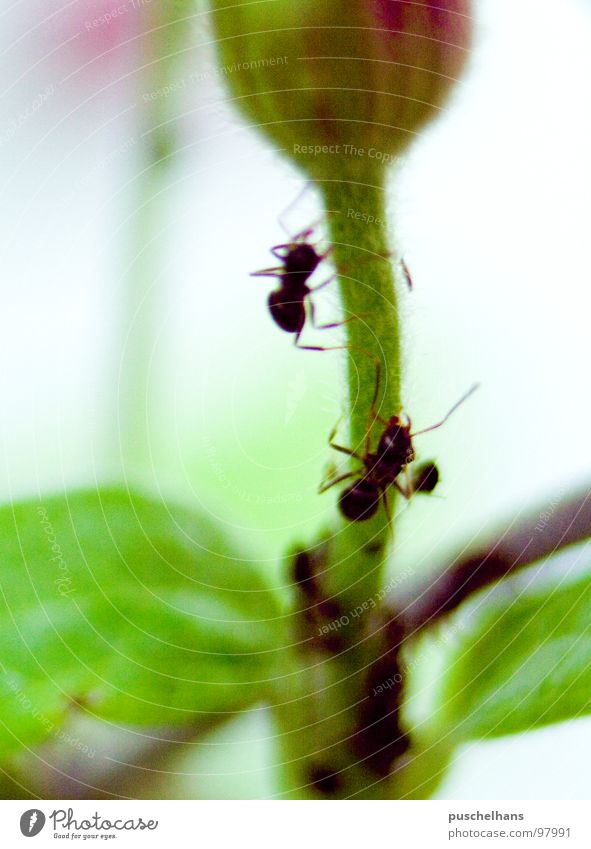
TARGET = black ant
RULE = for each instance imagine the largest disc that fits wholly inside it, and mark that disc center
(287, 303)
(381, 468)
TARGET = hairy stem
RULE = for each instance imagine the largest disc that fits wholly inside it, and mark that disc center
(362, 259)
(323, 720)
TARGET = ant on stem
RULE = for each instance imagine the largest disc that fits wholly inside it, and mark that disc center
(290, 303)
(287, 303)
(381, 468)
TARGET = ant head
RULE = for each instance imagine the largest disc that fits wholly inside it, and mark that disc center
(359, 501)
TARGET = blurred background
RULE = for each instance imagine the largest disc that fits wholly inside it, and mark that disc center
(135, 343)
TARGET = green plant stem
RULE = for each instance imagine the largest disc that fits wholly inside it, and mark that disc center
(320, 713)
(364, 266)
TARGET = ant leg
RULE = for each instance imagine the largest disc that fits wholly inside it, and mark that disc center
(372, 415)
(305, 234)
(409, 484)
(314, 348)
(293, 203)
(381, 420)
(278, 250)
(403, 491)
(330, 325)
(309, 230)
(326, 486)
(387, 509)
(322, 285)
(348, 451)
(334, 324)
(296, 342)
(337, 347)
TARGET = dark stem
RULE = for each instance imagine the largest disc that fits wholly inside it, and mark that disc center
(560, 522)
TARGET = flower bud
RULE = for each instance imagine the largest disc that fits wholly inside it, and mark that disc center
(341, 86)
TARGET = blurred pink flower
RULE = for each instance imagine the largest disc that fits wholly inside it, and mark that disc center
(95, 36)
(446, 26)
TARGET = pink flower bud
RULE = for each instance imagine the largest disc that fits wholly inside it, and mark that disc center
(342, 87)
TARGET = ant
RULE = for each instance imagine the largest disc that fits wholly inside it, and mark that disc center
(287, 303)
(381, 468)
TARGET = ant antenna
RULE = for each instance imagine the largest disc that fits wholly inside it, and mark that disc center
(459, 403)
(291, 206)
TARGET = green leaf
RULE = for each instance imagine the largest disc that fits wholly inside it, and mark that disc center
(522, 659)
(138, 612)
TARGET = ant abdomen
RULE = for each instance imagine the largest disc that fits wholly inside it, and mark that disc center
(287, 311)
(360, 501)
